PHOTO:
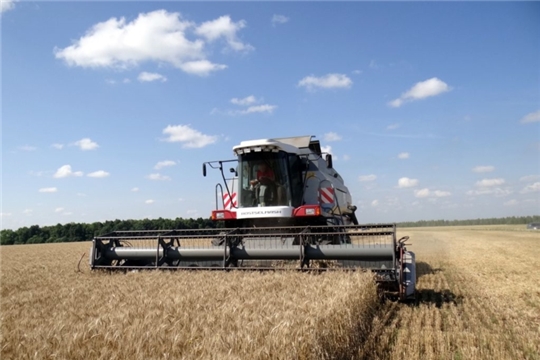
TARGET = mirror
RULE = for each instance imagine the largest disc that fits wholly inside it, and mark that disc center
(204, 169)
(329, 161)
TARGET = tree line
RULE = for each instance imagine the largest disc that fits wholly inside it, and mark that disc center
(72, 232)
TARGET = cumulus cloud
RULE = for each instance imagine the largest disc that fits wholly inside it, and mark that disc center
(251, 109)
(190, 138)
(149, 77)
(331, 136)
(424, 193)
(158, 176)
(490, 182)
(59, 209)
(529, 178)
(135, 189)
(165, 163)
(86, 144)
(65, 171)
(279, 19)
(58, 146)
(265, 108)
(483, 169)
(490, 191)
(403, 155)
(405, 182)
(329, 81)
(370, 177)
(530, 118)
(98, 174)
(422, 90)
(149, 201)
(158, 36)
(224, 27)
(48, 190)
(248, 100)
(531, 188)
(375, 203)
(201, 67)
(6, 5)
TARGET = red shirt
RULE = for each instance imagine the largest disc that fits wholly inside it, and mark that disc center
(268, 173)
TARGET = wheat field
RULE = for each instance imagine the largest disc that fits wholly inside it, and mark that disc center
(478, 298)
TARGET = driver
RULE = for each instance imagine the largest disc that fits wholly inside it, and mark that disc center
(264, 174)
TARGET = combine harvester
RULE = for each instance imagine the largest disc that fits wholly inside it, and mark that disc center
(284, 206)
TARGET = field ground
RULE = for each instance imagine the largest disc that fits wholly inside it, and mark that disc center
(478, 298)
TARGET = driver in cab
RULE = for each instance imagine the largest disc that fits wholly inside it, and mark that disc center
(265, 175)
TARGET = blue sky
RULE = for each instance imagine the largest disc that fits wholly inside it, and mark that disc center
(431, 110)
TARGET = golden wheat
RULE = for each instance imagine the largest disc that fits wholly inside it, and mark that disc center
(478, 298)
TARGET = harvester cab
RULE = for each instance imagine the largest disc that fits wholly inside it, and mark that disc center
(282, 206)
(282, 182)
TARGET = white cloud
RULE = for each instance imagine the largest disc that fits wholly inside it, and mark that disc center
(532, 117)
(86, 144)
(245, 101)
(158, 176)
(81, 194)
(423, 193)
(165, 163)
(5, 214)
(279, 19)
(27, 148)
(157, 36)
(28, 211)
(512, 202)
(99, 174)
(370, 177)
(59, 209)
(490, 182)
(223, 27)
(403, 155)
(375, 203)
(126, 81)
(392, 127)
(149, 201)
(265, 108)
(329, 81)
(135, 189)
(58, 146)
(190, 138)
(148, 77)
(496, 191)
(357, 72)
(440, 193)
(331, 136)
(346, 157)
(6, 5)
(405, 182)
(422, 90)
(483, 169)
(201, 67)
(529, 178)
(531, 188)
(326, 149)
(65, 171)
(48, 190)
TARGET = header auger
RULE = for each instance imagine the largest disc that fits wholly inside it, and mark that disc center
(284, 207)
